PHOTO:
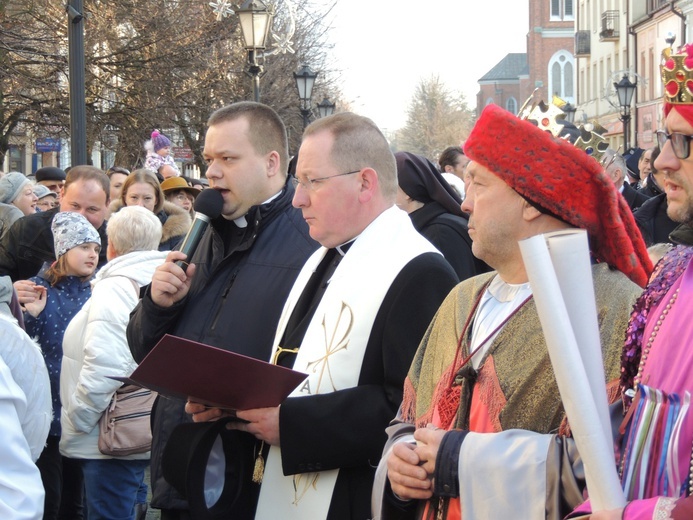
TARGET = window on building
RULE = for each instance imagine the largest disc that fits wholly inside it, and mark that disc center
(16, 153)
(489, 101)
(561, 9)
(511, 105)
(562, 76)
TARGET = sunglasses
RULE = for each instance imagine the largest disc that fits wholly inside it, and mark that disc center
(680, 143)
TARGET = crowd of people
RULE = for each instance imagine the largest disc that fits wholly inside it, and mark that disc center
(396, 285)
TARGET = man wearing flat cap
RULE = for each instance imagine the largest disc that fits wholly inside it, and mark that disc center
(52, 178)
(477, 430)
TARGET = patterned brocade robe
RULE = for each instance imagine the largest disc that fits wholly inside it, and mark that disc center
(515, 389)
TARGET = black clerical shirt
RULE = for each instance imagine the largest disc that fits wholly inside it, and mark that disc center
(308, 302)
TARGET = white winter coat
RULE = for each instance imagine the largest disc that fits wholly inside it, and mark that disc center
(95, 346)
(25, 415)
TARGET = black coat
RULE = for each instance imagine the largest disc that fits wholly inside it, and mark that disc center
(346, 429)
(28, 244)
(449, 234)
(234, 303)
(653, 221)
(651, 189)
(633, 197)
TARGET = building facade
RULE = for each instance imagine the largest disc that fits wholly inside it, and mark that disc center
(578, 49)
(547, 65)
(652, 23)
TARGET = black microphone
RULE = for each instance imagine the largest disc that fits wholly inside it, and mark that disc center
(208, 206)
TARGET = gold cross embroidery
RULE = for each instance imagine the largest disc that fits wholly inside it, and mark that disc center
(302, 484)
(332, 346)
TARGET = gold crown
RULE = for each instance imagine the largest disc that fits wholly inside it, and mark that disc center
(677, 75)
(544, 116)
(591, 140)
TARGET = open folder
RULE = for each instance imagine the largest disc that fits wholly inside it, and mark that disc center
(185, 369)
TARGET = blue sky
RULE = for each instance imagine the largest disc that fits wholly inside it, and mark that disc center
(385, 47)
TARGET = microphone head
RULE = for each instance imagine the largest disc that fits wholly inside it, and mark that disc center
(209, 203)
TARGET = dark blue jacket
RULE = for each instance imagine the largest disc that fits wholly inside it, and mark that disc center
(62, 303)
(234, 303)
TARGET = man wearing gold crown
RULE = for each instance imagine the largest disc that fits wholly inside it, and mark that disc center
(481, 399)
(654, 450)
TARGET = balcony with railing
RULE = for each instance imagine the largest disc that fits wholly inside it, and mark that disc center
(609, 27)
(582, 43)
(656, 5)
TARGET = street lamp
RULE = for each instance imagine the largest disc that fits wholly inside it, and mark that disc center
(569, 110)
(325, 108)
(305, 79)
(256, 21)
(625, 90)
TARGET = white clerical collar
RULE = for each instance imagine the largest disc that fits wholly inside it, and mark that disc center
(242, 222)
(343, 248)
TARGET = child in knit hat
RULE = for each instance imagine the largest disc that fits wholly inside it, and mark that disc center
(60, 293)
(159, 155)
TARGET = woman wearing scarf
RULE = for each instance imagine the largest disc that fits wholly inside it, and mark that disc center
(434, 209)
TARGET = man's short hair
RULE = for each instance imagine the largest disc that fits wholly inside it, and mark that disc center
(359, 143)
(88, 173)
(449, 157)
(613, 160)
(134, 228)
(266, 131)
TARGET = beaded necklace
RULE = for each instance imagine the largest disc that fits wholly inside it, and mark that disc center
(666, 273)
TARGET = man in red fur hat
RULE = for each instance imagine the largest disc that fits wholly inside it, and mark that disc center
(480, 400)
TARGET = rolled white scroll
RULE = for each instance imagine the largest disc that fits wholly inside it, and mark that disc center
(559, 271)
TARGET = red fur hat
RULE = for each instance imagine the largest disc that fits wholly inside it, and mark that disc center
(564, 181)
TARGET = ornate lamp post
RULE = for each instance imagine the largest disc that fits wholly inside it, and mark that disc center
(256, 21)
(325, 108)
(569, 110)
(625, 90)
(305, 79)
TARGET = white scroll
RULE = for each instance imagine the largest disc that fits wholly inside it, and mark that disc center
(559, 271)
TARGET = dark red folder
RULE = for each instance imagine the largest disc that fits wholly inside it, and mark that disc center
(181, 368)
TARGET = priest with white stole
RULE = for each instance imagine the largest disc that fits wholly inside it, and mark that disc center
(352, 322)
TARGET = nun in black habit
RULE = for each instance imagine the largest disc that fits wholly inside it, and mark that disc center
(434, 208)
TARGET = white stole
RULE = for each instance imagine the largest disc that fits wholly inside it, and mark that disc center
(334, 346)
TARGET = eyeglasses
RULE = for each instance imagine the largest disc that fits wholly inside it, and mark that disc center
(310, 184)
(46, 204)
(181, 197)
(680, 143)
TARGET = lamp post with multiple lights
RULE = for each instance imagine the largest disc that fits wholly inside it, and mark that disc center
(305, 79)
(625, 90)
(255, 20)
(325, 108)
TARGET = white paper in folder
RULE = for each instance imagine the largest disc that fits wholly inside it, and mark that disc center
(560, 274)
